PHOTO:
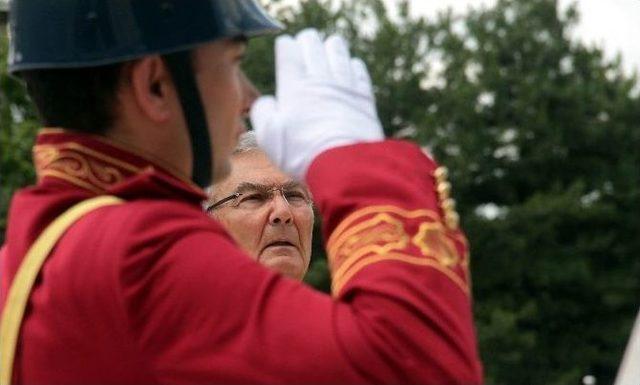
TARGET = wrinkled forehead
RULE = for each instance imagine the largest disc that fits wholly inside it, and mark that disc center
(254, 169)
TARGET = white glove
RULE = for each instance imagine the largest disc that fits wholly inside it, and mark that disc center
(324, 99)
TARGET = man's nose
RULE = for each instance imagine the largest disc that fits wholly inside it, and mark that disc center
(280, 210)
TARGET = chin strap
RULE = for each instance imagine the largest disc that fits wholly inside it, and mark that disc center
(181, 68)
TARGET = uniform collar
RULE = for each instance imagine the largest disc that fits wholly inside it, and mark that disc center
(101, 166)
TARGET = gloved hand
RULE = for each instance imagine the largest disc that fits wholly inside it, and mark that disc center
(324, 99)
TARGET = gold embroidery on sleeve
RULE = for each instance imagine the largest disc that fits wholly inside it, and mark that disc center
(432, 241)
(377, 236)
(385, 233)
(337, 285)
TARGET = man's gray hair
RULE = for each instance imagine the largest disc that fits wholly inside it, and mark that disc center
(247, 142)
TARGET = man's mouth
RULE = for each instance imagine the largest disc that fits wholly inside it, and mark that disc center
(280, 243)
(280, 247)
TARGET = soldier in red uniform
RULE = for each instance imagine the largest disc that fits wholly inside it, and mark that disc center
(113, 274)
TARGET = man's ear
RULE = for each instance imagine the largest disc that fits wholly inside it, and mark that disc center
(152, 88)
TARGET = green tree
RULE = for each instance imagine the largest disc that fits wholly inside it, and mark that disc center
(17, 130)
(541, 135)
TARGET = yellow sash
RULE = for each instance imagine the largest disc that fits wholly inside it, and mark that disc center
(25, 277)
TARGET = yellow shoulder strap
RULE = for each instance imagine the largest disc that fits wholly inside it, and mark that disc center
(28, 271)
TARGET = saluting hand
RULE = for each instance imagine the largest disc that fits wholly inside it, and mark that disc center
(324, 99)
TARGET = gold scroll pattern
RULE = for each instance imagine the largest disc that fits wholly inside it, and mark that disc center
(384, 233)
(81, 166)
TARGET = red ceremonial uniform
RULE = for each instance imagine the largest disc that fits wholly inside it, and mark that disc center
(154, 291)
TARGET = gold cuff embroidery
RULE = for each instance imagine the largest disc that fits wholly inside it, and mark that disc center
(382, 233)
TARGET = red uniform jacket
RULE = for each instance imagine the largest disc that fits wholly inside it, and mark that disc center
(154, 291)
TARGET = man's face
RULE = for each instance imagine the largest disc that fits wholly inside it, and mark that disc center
(274, 231)
(227, 96)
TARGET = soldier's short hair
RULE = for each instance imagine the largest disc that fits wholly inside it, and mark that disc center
(80, 99)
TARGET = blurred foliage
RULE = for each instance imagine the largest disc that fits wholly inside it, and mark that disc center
(541, 135)
(17, 130)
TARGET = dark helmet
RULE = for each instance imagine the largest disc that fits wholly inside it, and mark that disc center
(50, 34)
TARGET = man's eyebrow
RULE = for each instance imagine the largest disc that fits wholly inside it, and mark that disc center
(249, 186)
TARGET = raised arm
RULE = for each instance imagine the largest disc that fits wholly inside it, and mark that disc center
(401, 305)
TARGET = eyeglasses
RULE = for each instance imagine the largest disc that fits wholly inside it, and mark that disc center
(250, 196)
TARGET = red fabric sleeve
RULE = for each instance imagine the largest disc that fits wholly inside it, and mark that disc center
(394, 251)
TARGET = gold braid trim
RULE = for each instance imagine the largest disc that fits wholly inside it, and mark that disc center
(342, 231)
(81, 166)
(379, 233)
(337, 286)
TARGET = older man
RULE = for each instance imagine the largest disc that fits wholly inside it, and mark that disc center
(268, 213)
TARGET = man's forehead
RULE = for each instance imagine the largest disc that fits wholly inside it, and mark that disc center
(254, 167)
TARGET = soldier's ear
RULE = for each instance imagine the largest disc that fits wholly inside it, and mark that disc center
(152, 88)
